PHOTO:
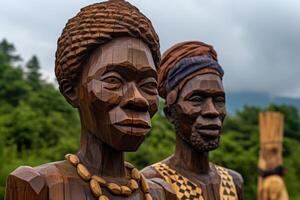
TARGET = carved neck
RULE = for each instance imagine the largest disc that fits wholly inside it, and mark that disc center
(189, 159)
(100, 158)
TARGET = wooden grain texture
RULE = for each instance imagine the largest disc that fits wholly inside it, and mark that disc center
(271, 136)
(60, 181)
(271, 127)
(26, 183)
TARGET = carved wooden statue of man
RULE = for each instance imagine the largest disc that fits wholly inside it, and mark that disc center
(270, 181)
(106, 68)
(190, 80)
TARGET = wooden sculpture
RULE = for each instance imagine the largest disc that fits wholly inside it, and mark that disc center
(106, 68)
(190, 80)
(270, 182)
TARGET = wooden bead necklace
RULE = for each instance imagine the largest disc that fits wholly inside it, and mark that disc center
(96, 182)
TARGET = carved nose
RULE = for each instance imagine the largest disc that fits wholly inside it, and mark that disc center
(209, 110)
(133, 100)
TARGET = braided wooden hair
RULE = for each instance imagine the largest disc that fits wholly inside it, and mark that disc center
(94, 25)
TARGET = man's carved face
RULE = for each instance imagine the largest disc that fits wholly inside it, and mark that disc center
(118, 93)
(200, 111)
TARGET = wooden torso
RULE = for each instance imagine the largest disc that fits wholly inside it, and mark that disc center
(59, 181)
(219, 184)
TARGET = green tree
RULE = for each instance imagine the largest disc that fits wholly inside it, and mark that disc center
(7, 53)
(36, 124)
(13, 87)
(33, 73)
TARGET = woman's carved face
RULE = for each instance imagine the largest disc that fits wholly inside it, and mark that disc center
(118, 93)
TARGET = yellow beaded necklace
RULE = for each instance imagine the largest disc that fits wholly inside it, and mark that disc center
(96, 182)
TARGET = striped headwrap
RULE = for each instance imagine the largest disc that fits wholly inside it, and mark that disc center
(184, 59)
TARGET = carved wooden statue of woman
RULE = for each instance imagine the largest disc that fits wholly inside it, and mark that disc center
(106, 68)
(190, 79)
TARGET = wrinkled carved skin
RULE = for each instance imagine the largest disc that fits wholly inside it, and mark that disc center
(199, 112)
(118, 93)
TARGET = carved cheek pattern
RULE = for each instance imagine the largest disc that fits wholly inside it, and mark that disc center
(186, 116)
(153, 105)
(102, 92)
(190, 110)
(222, 112)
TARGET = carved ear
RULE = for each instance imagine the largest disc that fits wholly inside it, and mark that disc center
(70, 92)
(168, 113)
(170, 101)
(172, 97)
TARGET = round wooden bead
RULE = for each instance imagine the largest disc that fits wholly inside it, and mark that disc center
(126, 191)
(67, 155)
(128, 165)
(100, 180)
(114, 188)
(132, 184)
(95, 187)
(73, 159)
(135, 174)
(148, 196)
(83, 172)
(103, 197)
(145, 186)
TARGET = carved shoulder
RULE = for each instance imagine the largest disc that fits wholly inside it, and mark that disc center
(239, 183)
(156, 181)
(149, 172)
(26, 183)
(237, 178)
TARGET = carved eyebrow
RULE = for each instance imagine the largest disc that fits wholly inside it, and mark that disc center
(148, 71)
(127, 71)
(205, 93)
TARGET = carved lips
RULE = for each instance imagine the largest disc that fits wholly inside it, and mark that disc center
(134, 126)
(130, 122)
(211, 131)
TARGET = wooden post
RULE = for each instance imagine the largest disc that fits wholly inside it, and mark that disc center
(271, 136)
(271, 127)
(271, 186)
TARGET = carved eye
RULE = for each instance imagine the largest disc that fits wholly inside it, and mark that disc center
(112, 80)
(196, 98)
(219, 99)
(149, 86)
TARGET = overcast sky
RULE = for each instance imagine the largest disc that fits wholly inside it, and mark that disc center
(258, 41)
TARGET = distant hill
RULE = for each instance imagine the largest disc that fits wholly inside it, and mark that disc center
(236, 100)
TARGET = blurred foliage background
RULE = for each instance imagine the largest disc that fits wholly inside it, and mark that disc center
(37, 126)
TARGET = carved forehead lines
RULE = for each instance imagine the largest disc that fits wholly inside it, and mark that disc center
(210, 83)
(121, 50)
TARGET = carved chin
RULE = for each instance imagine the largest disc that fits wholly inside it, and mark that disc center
(202, 145)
